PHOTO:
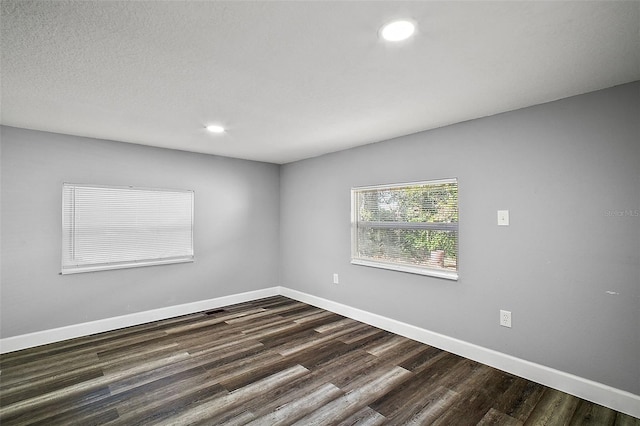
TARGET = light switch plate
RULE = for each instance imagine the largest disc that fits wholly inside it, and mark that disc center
(503, 217)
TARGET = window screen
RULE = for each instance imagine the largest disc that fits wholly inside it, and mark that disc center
(107, 227)
(410, 227)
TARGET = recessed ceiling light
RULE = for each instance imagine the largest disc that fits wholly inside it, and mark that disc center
(214, 128)
(397, 30)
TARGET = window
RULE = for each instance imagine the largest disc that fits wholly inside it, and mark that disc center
(105, 227)
(411, 227)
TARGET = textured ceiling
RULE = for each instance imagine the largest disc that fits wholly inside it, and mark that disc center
(291, 80)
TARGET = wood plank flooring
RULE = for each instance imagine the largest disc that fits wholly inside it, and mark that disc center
(273, 361)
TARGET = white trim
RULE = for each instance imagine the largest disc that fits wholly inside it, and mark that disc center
(590, 390)
(11, 344)
(124, 265)
(438, 273)
(405, 184)
(143, 188)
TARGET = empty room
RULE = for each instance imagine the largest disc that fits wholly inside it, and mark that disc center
(320, 212)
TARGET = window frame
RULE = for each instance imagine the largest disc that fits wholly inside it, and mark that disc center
(396, 266)
(68, 267)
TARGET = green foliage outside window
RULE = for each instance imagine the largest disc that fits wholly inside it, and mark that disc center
(414, 224)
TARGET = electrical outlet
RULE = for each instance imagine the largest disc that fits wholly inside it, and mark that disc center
(505, 318)
(335, 279)
(503, 217)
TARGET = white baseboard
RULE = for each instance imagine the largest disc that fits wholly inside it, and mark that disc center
(599, 393)
(11, 344)
(617, 399)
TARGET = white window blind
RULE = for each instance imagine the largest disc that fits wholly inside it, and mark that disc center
(411, 227)
(106, 227)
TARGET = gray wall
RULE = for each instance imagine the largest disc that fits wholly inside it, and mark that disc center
(236, 229)
(560, 168)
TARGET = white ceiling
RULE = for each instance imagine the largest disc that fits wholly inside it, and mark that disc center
(292, 80)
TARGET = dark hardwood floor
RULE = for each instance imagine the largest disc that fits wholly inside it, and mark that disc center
(273, 361)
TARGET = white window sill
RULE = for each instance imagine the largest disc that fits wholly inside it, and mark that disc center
(438, 273)
(107, 267)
